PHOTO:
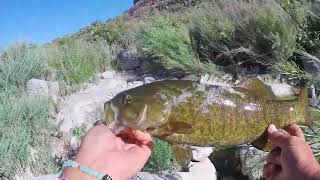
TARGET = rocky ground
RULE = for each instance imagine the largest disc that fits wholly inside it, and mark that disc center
(83, 109)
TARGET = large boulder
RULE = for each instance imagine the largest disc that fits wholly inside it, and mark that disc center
(39, 87)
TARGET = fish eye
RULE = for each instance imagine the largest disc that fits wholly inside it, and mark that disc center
(127, 99)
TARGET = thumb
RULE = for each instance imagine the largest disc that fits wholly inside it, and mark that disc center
(277, 137)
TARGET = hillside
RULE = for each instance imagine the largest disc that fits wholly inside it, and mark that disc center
(278, 41)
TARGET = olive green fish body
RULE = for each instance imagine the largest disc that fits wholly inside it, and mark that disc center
(186, 112)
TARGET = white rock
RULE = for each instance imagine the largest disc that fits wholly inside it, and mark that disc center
(43, 88)
(203, 170)
(134, 84)
(86, 107)
(252, 161)
(108, 74)
(200, 153)
(281, 90)
(212, 80)
(149, 176)
(148, 80)
(48, 177)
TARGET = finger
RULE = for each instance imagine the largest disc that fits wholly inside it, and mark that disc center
(127, 147)
(138, 152)
(268, 170)
(277, 138)
(274, 158)
(144, 137)
(295, 130)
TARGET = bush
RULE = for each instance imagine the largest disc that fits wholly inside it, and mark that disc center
(211, 28)
(161, 158)
(21, 62)
(292, 71)
(313, 137)
(24, 133)
(77, 60)
(116, 31)
(171, 47)
(271, 32)
(309, 33)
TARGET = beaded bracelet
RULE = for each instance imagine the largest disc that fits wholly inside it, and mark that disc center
(86, 170)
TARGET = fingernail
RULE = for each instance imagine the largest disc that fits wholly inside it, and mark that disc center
(272, 128)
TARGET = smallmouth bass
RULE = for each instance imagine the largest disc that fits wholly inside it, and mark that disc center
(184, 112)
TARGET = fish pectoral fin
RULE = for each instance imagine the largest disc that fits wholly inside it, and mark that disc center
(180, 127)
(183, 155)
(258, 87)
(262, 143)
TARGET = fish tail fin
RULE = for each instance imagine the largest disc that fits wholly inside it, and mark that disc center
(303, 106)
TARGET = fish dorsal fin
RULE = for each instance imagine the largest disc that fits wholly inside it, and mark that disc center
(180, 127)
(183, 155)
(258, 87)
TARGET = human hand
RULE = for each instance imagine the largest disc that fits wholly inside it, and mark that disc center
(292, 159)
(102, 151)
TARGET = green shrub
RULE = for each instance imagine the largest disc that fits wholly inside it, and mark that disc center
(271, 32)
(115, 31)
(313, 137)
(79, 133)
(161, 158)
(21, 62)
(292, 71)
(171, 47)
(24, 133)
(309, 33)
(212, 24)
(77, 61)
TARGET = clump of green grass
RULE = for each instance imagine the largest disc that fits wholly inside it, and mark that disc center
(24, 120)
(24, 133)
(292, 71)
(313, 137)
(161, 158)
(171, 47)
(116, 31)
(210, 26)
(79, 133)
(21, 62)
(271, 32)
(77, 61)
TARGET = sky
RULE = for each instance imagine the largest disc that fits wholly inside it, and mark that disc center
(40, 21)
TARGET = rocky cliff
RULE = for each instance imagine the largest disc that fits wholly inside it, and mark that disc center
(141, 6)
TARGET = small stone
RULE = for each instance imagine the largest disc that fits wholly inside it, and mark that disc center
(134, 84)
(148, 80)
(108, 74)
(191, 77)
